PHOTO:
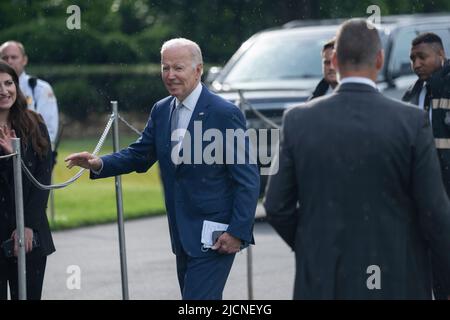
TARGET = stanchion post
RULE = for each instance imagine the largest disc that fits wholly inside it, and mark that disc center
(249, 273)
(52, 203)
(20, 224)
(119, 204)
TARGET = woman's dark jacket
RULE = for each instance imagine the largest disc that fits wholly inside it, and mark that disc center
(34, 199)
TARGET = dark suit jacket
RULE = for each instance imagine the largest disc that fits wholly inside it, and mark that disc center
(35, 200)
(320, 90)
(194, 192)
(359, 185)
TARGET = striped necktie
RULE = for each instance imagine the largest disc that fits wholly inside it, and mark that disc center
(174, 121)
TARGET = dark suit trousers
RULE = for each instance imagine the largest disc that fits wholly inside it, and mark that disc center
(35, 269)
(203, 278)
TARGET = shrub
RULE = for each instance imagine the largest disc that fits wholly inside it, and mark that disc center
(82, 90)
(77, 98)
(50, 41)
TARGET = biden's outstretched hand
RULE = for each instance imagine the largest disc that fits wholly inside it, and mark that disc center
(84, 160)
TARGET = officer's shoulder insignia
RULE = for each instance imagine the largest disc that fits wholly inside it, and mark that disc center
(29, 100)
(447, 118)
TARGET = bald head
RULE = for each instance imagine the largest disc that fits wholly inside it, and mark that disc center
(358, 50)
(357, 45)
(17, 44)
(13, 53)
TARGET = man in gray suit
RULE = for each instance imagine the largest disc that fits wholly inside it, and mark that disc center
(359, 195)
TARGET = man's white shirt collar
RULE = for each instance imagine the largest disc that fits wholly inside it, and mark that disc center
(185, 113)
(361, 80)
(329, 90)
(423, 93)
(191, 100)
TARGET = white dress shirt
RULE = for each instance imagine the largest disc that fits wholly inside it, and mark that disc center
(46, 104)
(185, 113)
(422, 95)
(361, 80)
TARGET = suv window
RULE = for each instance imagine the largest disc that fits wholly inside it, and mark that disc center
(400, 63)
(280, 57)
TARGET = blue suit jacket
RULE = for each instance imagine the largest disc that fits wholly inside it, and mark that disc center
(225, 193)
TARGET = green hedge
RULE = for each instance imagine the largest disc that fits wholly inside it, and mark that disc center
(49, 41)
(83, 90)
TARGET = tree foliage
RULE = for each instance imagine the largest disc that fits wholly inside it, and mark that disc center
(132, 31)
(119, 34)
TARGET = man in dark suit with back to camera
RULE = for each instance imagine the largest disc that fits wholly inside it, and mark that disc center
(200, 196)
(361, 200)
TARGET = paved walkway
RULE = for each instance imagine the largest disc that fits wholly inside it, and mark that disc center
(151, 264)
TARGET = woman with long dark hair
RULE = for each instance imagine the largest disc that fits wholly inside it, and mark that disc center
(17, 121)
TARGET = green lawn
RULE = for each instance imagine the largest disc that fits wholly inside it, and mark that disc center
(87, 202)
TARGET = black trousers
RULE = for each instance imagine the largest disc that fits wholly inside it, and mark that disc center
(35, 269)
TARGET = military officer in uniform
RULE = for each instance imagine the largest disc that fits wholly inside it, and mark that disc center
(38, 93)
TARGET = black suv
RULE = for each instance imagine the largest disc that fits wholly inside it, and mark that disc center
(278, 68)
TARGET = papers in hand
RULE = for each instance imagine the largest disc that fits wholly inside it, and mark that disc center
(208, 228)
